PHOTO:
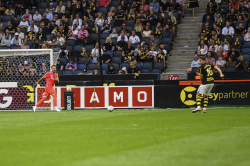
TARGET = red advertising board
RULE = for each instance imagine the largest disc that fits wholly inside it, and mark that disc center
(94, 97)
(13, 98)
(142, 96)
(173, 77)
(118, 96)
(77, 96)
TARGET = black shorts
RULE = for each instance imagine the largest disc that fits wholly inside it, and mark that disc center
(193, 4)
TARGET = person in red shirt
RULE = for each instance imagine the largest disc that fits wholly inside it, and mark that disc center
(104, 3)
(234, 4)
(51, 79)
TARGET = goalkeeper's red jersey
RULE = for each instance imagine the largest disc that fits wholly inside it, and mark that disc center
(50, 79)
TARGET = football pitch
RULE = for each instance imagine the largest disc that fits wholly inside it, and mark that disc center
(153, 137)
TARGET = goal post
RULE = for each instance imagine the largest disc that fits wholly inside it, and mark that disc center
(16, 67)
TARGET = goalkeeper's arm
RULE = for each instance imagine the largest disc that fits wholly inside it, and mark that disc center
(42, 78)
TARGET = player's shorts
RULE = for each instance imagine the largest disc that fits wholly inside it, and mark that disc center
(49, 91)
(205, 89)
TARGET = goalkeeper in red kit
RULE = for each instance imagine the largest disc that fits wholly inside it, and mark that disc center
(51, 79)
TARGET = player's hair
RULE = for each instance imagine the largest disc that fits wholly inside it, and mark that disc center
(53, 66)
(202, 58)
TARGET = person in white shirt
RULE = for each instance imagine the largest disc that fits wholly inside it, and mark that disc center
(77, 19)
(99, 20)
(62, 7)
(20, 34)
(16, 40)
(37, 16)
(125, 37)
(195, 63)
(224, 46)
(134, 38)
(58, 21)
(96, 50)
(23, 23)
(60, 38)
(227, 30)
(32, 23)
(74, 32)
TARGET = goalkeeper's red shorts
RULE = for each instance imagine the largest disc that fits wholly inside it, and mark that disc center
(49, 91)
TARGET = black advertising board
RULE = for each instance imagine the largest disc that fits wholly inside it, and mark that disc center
(181, 96)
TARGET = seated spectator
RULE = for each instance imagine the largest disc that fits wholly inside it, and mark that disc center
(122, 35)
(106, 58)
(247, 35)
(62, 7)
(32, 24)
(84, 72)
(155, 5)
(84, 33)
(44, 46)
(25, 44)
(213, 45)
(172, 18)
(237, 43)
(162, 46)
(48, 14)
(31, 34)
(96, 50)
(126, 57)
(93, 58)
(240, 30)
(146, 32)
(10, 11)
(209, 59)
(73, 33)
(71, 65)
(141, 55)
(157, 33)
(109, 46)
(132, 69)
(232, 17)
(10, 27)
(138, 26)
(20, 34)
(111, 70)
(167, 32)
(144, 6)
(45, 20)
(233, 53)
(27, 15)
(222, 53)
(152, 19)
(37, 16)
(224, 46)
(16, 40)
(40, 35)
(6, 40)
(60, 39)
(230, 62)
(121, 45)
(131, 15)
(99, 20)
(220, 62)
(83, 52)
(227, 30)
(53, 28)
(24, 23)
(106, 28)
(195, 63)
(114, 35)
(95, 72)
(160, 56)
(137, 49)
(44, 69)
(152, 54)
(164, 6)
(234, 4)
(203, 48)
(240, 64)
(63, 52)
(103, 3)
(120, 15)
(130, 49)
(213, 53)
(226, 43)
(51, 8)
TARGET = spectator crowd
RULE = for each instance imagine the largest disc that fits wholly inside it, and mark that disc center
(225, 36)
(135, 36)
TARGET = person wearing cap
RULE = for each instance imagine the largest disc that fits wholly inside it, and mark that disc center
(204, 18)
(16, 40)
(84, 72)
(49, 15)
(51, 8)
(106, 58)
(62, 7)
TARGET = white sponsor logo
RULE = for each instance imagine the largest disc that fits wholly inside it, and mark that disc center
(8, 99)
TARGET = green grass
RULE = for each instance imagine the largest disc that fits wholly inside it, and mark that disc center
(157, 137)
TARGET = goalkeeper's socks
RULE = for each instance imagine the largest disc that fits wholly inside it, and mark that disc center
(41, 101)
(55, 100)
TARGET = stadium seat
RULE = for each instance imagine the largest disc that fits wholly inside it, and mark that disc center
(63, 60)
(241, 38)
(32, 12)
(167, 47)
(93, 36)
(92, 66)
(19, 17)
(229, 38)
(157, 71)
(145, 70)
(129, 28)
(138, 65)
(37, 23)
(103, 71)
(104, 35)
(147, 65)
(125, 64)
(5, 24)
(166, 15)
(41, 10)
(42, 5)
(166, 40)
(4, 47)
(70, 22)
(159, 40)
(114, 41)
(222, 69)
(70, 42)
(67, 72)
(55, 4)
(102, 41)
(158, 65)
(105, 66)
(90, 71)
(245, 50)
(75, 54)
(118, 29)
(116, 59)
(114, 3)
(7, 18)
(78, 48)
(116, 65)
(246, 44)
(88, 48)
(118, 53)
(246, 57)
(30, 43)
(103, 10)
(83, 60)
(76, 72)
(81, 66)
(147, 40)
(130, 23)
(24, 30)
(69, 59)
(230, 69)
(246, 62)
(13, 47)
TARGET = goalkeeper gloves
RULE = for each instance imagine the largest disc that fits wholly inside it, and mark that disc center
(36, 84)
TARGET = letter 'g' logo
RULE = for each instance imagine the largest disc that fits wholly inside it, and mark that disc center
(7, 99)
(183, 95)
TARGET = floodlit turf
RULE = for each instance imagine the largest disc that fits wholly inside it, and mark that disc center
(160, 137)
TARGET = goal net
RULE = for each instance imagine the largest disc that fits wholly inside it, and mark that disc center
(19, 70)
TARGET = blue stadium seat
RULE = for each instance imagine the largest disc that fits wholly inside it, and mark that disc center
(83, 60)
(19, 17)
(42, 5)
(130, 23)
(194, 69)
(102, 41)
(93, 36)
(7, 18)
(105, 66)
(245, 50)
(103, 10)
(75, 54)
(103, 71)
(147, 65)
(145, 70)
(4, 47)
(118, 53)
(92, 66)
(158, 65)
(114, 41)
(230, 69)
(116, 59)
(246, 44)
(116, 66)
(225, 6)
(81, 66)
(70, 42)
(138, 64)
(78, 48)
(63, 60)
(76, 72)
(157, 71)
(104, 35)
(114, 3)
(166, 40)
(41, 10)
(67, 72)
(125, 65)
(5, 24)
(90, 71)
(88, 48)
(246, 57)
